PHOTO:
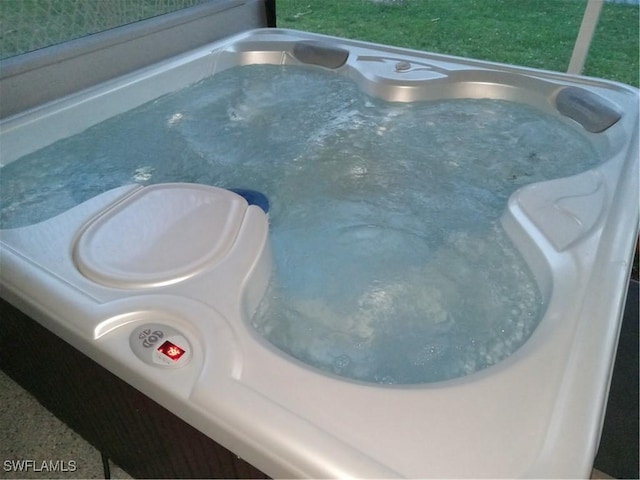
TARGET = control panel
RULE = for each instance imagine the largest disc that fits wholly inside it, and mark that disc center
(160, 345)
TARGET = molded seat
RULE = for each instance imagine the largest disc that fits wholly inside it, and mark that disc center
(159, 235)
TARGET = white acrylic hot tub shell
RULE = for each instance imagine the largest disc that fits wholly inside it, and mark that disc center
(536, 414)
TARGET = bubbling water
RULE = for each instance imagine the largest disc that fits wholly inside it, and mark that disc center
(390, 262)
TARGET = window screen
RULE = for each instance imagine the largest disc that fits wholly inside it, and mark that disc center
(27, 25)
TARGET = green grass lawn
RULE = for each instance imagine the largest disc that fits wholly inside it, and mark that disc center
(533, 33)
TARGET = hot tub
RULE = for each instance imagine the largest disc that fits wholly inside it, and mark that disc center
(160, 283)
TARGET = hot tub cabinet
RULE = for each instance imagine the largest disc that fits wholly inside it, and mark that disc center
(165, 335)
